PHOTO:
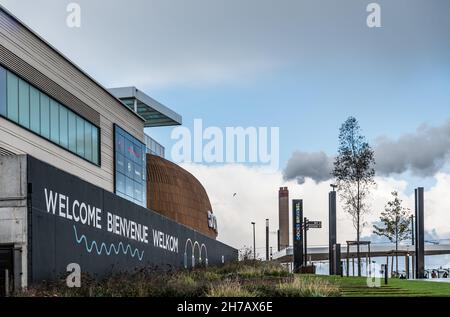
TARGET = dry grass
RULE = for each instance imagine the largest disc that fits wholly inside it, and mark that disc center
(229, 288)
(304, 286)
(242, 279)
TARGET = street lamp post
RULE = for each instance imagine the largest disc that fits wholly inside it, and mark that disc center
(254, 242)
(267, 239)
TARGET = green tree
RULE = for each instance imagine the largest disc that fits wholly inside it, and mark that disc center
(395, 223)
(354, 173)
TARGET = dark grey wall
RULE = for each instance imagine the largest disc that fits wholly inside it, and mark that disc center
(57, 241)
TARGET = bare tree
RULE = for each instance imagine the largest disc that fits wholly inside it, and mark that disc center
(354, 172)
(396, 221)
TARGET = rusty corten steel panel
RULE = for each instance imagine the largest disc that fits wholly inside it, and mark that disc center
(178, 195)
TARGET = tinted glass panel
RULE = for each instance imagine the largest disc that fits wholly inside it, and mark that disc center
(130, 167)
(54, 121)
(72, 132)
(80, 136)
(12, 109)
(88, 141)
(63, 127)
(24, 104)
(95, 145)
(35, 110)
(45, 116)
(2, 92)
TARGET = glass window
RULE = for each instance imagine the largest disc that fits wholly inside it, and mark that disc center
(2, 92)
(63, 127)
(80, 136)
(35, 110)
(120, 143)
(129, 187)
(24, 104)
(137, 172)
(120, 186)
(45, 116)
(88, 140)
(130, 167)
(54, 121)
(129, 149)
(12, 109)
(120, 163)
(137, 191)
(95, 146)
(72, 123)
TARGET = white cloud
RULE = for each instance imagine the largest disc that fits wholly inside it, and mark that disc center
(257, 199)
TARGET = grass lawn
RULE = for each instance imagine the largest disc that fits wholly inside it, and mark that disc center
(357, 286)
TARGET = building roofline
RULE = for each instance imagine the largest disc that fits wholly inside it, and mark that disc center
(2, 8)
(134, 93)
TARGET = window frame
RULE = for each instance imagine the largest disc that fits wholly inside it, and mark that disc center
(124, 173)
(60, 104)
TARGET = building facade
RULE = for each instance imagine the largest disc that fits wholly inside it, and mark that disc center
(85, 140)
(178, 195)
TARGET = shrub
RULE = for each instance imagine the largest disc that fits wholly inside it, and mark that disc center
(229, 288)
(306, 287)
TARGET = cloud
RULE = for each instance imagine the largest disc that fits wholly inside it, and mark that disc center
(316, 166)
(257, 199)
(165, 42)
(423, 153)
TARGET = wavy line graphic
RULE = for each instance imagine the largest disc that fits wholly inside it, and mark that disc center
(112, 247)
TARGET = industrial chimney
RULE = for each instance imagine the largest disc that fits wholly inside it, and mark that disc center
(283, 218)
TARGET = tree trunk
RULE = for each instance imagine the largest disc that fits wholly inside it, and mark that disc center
(358, 255)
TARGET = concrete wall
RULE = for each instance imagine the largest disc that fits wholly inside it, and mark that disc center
(60, 237)
(26, 54)
(13, 212)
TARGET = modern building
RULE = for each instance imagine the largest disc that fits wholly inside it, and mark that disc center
(178, 195)
(73, 172)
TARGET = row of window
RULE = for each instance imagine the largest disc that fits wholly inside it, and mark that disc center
(130, 167)
(32, 109)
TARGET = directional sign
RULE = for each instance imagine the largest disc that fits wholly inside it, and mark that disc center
(315, 224)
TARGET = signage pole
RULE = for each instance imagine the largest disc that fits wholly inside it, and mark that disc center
(297, 222)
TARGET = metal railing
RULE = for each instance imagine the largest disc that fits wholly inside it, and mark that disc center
(153, 147)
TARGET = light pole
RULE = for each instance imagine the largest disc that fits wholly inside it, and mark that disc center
(267, 239)
(254, 242)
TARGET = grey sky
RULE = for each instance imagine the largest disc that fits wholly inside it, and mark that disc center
(168, 42)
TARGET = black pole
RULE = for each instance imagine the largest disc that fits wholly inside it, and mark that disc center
(278, 240)
(254, 242)
(297, 227)
(420, 241)
(332, 239)
(305, 240)
(267, 239)
(412, 230)
(385, 274)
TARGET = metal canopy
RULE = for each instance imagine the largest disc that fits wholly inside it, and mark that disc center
(154, 113)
